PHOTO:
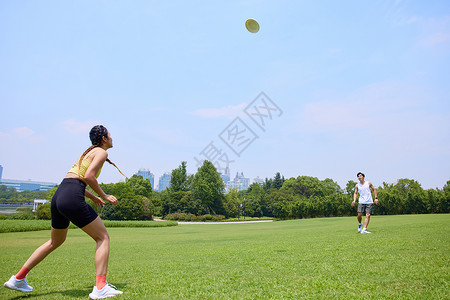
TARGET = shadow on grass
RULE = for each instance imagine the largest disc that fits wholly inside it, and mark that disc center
(75, 293)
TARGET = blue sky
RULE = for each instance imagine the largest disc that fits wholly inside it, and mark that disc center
(360, 86)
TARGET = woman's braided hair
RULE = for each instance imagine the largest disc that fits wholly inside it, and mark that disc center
(96, 135)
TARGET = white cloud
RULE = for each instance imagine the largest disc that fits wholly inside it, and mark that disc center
(361, 108)
(76, 127)
(333, 51)
(23, 132)
(436, 38)
(166, 136)
(227, 111)
(4, 136)
(436, 31)
(392, 114)
(412, 20)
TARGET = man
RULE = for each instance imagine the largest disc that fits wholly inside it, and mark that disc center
(365, 203)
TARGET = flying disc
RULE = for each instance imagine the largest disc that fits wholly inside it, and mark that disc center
(252, 25)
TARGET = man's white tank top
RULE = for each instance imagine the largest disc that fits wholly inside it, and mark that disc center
(365, 195)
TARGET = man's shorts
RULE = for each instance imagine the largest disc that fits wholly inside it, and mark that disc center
(365, 208)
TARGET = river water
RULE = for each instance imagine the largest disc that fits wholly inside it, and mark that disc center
(9, 209)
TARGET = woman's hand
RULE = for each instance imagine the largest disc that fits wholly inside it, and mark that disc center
(111, 199)
(98, 201)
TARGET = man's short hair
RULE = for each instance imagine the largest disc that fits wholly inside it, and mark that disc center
(361, 174)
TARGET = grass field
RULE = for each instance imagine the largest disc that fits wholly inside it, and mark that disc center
(405, 257)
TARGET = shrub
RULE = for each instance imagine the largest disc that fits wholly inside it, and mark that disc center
(43, 212)
(217, 217)
(24, 209)
(21, 216)
(184, 217)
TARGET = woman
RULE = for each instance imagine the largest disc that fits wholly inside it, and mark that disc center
(69, 205)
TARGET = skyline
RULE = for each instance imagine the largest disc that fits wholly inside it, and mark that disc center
(359, 86)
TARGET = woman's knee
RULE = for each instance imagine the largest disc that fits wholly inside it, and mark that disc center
(55, 243)
(102, 237)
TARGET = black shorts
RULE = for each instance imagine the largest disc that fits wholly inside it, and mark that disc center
(68, 205)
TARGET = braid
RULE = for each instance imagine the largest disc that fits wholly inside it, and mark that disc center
(83, 155)
(116, 167)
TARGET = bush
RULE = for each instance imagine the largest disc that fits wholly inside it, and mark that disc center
(184, 217)
(43, 212)
(2, 217)
(21, 216)
(181, 217)
(24, 209)
(217, 217)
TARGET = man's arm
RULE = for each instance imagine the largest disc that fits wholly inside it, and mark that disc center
(374, 192)
(355, 195)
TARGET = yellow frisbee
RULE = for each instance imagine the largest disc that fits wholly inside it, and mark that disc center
(252, 25)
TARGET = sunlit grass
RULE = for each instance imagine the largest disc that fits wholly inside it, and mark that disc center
(404, 257)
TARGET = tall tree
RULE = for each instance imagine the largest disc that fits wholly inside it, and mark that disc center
(208, 187)
(179, 179)
(140, 186)
(278, 181)
(350, 187)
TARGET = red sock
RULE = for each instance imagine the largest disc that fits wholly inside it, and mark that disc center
(22, 273)
(101, 281)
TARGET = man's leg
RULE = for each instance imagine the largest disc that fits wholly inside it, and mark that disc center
(366, 221)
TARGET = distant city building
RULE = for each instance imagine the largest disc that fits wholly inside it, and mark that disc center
(27, 185)
(1, 171)
(240, 182)
(164, 181)
(258, 180)
(226, 175)
(146, 174)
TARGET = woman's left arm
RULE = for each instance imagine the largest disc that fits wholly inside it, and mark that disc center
(97, 200)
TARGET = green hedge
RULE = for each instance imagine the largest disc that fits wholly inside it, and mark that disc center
(35, 225)
(193, 218)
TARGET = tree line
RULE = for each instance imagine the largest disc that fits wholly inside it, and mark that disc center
(12, 196)
(203, 194)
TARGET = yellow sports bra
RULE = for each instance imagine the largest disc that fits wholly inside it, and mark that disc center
(85, 163)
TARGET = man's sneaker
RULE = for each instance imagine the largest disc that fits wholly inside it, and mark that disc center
(107, 291)
(359, 227)
(18, 284)
(364, 231)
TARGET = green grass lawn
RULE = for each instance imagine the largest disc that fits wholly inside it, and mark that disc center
(405, 257)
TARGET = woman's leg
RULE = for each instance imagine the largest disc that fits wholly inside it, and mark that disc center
(58, 236)
(97, 230)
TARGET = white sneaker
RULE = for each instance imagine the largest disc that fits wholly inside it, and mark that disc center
(20, 285)
(364, 231)
(107, 291)
(359, 227)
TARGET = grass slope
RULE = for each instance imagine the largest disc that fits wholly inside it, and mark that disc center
(405, 257)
